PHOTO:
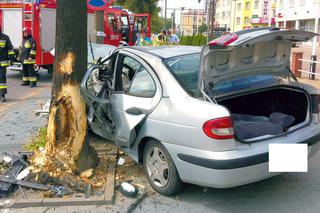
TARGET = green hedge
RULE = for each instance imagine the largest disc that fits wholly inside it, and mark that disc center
(197, 40)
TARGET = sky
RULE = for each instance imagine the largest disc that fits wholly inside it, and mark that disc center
(188, 4)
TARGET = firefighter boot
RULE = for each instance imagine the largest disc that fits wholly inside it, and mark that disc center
(3, 98)
(33, 84)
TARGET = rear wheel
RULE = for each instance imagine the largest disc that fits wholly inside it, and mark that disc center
(160, 169)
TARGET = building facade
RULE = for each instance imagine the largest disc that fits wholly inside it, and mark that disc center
(245, 14)
(191, 21)
(297, 14)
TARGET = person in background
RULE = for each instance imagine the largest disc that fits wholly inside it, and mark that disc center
(6, 57)
(162, 38)
(143, 39)
(28, 59)
(173, 38)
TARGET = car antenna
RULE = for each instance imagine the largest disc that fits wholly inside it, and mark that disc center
(91, 49)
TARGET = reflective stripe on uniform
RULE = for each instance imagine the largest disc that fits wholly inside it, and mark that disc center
(25, 79)
(3, 43)
(29, 61)
(27, 45)
(33, 52)
(33, 79)
(4, 63)
(10, 52)
(3, 86)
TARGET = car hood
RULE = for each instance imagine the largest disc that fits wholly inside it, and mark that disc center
(248, 52)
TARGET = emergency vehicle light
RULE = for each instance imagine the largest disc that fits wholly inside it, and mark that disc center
(224, 40)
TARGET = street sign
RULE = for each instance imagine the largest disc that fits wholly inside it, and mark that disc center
(99, 5)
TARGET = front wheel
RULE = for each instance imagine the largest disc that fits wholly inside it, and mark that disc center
(160, 169)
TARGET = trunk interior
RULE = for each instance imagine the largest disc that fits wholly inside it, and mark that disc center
(266, 113)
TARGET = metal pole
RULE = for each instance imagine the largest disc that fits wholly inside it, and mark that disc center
(234, 15)
(313, 65)
(181, 21)
(208, 19)
(197, 21)
(165, 14)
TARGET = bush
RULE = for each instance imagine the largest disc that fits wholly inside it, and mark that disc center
(197, 40)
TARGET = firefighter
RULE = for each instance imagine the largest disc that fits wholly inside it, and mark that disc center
(28, 56)
(6, 55)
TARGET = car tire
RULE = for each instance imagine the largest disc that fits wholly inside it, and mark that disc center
(170, 182)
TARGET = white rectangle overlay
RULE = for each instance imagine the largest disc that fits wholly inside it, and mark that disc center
(288, 157)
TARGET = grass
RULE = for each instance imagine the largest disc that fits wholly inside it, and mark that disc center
(37, 141)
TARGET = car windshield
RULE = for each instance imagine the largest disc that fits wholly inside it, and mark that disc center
(185, 69)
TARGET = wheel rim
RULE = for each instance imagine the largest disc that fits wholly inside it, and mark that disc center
(157, 167)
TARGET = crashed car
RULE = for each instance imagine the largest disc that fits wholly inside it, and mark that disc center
(204, 115)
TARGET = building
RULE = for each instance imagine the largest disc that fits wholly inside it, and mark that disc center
(297, 14)
(244, 14)
(191, 20)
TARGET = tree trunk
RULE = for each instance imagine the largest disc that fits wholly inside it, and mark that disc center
(67, 140)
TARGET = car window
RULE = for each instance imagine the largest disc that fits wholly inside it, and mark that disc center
(244, 83)
(185, 69)
(129, 68)
(143, 84)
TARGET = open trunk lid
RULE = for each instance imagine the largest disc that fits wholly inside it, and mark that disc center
(247, 52)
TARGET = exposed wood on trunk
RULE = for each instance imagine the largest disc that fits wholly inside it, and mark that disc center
(67, 144)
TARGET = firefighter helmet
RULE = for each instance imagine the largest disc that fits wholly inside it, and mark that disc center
(27, 30)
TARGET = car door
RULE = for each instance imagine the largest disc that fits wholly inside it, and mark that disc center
(137, 91)
(96, 88)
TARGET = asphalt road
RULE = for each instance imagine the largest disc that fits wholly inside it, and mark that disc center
(17, 119)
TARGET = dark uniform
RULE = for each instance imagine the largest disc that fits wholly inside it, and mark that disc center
(28, 59)
(6, 54)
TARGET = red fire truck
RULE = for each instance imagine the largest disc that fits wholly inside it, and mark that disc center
(40, 15)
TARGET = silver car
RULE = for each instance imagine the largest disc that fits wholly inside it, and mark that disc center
(204, 115)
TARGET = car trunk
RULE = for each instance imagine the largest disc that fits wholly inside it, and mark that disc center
(268, 112)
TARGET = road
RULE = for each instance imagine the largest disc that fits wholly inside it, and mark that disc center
(17, 119)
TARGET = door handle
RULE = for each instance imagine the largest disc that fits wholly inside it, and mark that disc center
(135, 111)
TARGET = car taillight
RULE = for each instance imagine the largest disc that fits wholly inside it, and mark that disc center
(219, 128)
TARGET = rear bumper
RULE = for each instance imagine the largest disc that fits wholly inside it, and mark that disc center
(221, 169)
(238, 162)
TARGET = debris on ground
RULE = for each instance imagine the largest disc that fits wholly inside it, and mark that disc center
(128, 190)
(44, 109)
(121, 161)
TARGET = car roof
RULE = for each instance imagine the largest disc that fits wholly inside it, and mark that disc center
(165, 52)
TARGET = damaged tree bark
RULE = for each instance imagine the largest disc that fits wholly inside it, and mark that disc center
(67, 140)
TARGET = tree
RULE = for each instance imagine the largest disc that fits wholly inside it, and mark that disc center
(67, 140)
(203, 28)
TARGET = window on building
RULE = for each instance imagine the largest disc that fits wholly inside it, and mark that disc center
(223, 15)
(246, 20)
(291, 3)
(239, 7)
(256, 4)
(238, 20)
(247, 5)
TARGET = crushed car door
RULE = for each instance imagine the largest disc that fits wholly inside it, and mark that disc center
(136, 93)
(96, 88)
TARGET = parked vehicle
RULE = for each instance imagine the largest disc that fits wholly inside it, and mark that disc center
(204, 116)
(40, 16)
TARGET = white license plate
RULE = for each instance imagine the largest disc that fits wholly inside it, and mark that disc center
(288, 157)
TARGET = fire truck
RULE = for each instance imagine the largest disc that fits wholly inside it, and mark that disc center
(120, 27)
